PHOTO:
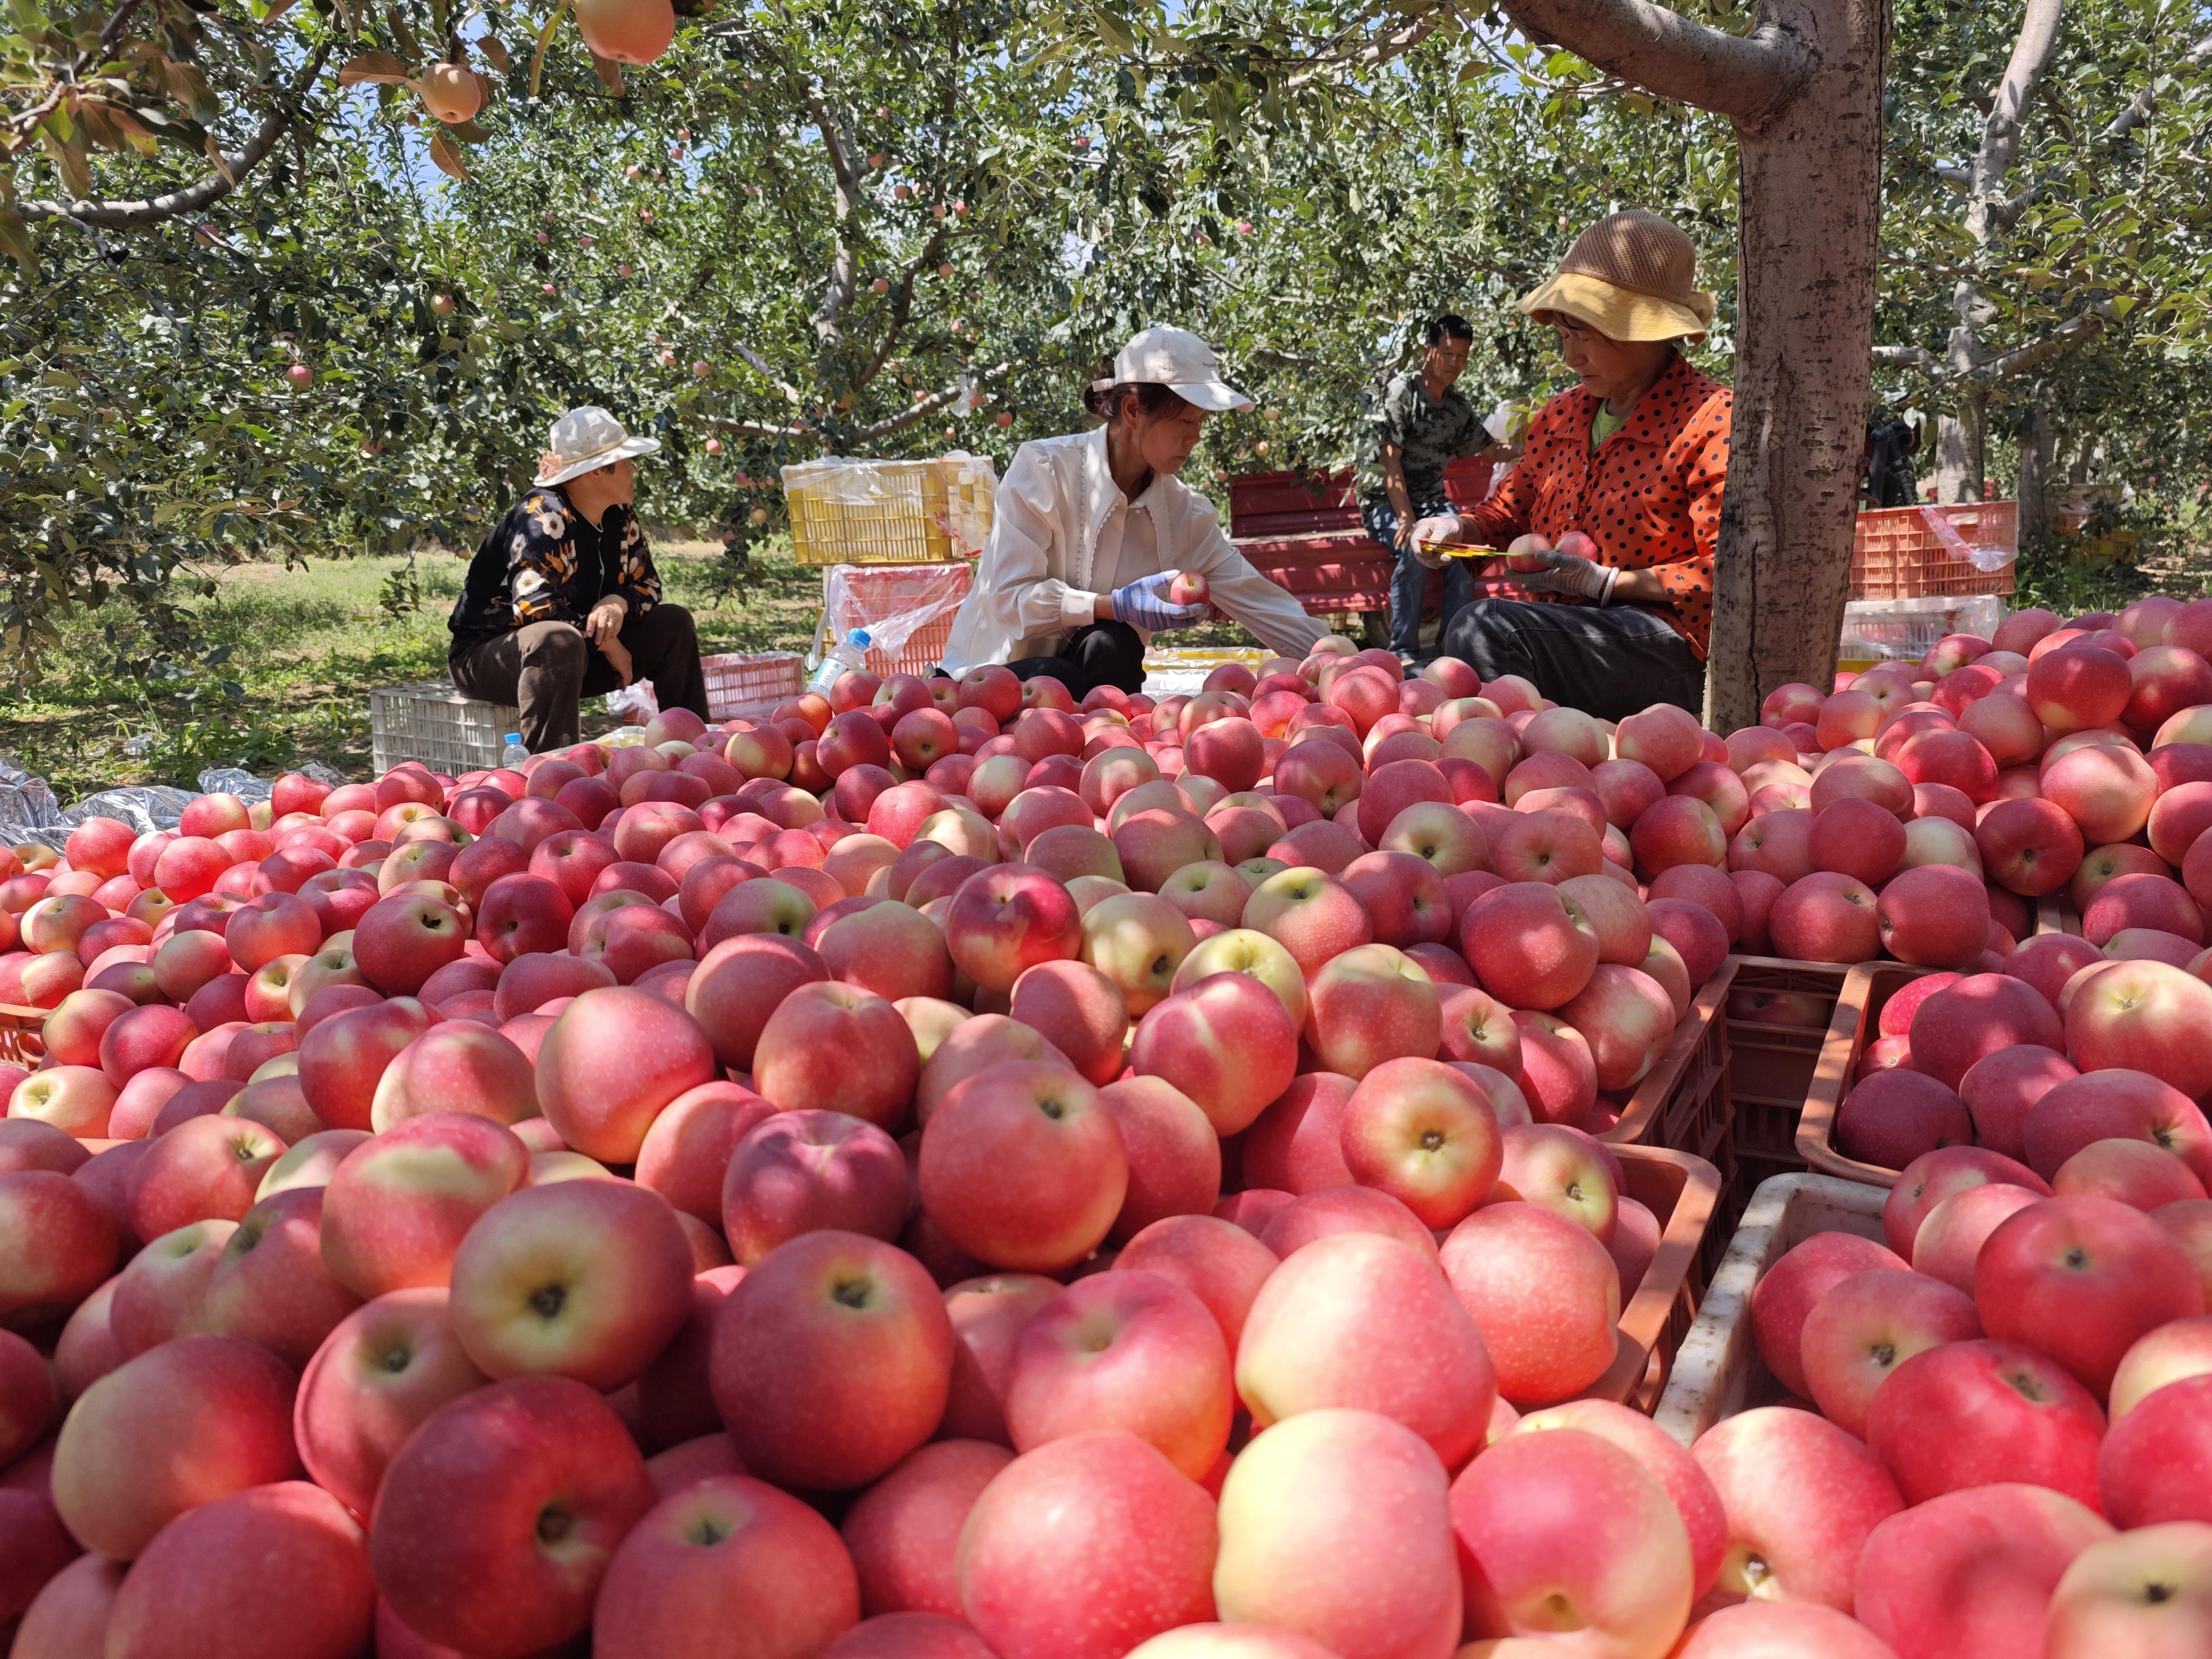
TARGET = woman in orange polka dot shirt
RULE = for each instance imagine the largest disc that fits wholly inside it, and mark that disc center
(1634, 458)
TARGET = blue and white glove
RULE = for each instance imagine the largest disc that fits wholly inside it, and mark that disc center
(1144, 603)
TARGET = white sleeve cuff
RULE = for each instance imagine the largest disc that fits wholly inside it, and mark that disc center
(1077, 610)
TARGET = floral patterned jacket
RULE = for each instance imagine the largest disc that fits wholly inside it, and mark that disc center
(544, 562)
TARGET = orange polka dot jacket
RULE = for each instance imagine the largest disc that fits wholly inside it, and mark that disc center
(1649, 497)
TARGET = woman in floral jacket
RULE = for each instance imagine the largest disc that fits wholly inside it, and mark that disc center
(1635, 458)
(561, 601)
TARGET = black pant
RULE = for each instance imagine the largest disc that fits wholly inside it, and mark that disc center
(1610, 663)
(1104, 653)
(546, 668)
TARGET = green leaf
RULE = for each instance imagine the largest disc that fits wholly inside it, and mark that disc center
(378, 67)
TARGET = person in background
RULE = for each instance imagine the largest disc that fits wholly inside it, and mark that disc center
(1091, 529)
(561, 601)
(1423, 425)
(1635, 458)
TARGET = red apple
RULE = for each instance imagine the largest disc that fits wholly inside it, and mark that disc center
(398, 1206)
(1335, 1525)
(583, 1278)
(496, 1521)
(1317, 1337)
(1129, 1351)
(1797, 1537)
(832, 1361)
(1022, 1166)
(180, 1426)
(1966, 1414)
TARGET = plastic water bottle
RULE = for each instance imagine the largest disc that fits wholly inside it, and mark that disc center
(514, 754)
(840, 660)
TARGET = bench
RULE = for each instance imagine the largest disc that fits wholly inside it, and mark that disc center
(1302, 532)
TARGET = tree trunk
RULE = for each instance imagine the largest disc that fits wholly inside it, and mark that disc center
(2039, 455)
(1809, 205)
(1961, 449)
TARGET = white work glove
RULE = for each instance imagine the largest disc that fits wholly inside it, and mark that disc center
(1441, 527)
(1144, 603)
(1564, 573)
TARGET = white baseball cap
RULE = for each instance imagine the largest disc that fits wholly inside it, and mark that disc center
(1178, 360)
(585, 439)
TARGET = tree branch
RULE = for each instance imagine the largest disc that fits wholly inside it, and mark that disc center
(844, 269)
(1390, 47)
(1919, 357)
(901, 308)
(2031, 55)
(761, 367)
(751, 428)
(2066, 335)
(933, 402)
(159, 209)
(2140, 107)
(1746, 77)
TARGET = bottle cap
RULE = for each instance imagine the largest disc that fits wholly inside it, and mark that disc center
(858, 637)
(514, 737)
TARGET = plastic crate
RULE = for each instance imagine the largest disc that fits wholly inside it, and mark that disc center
(1905, 630)
(1778, 1013)
(1868, 986)
(1717, 1370)
(1182, 673)
(1682, 1191)
(910, 607)
(750, 684)
(21, 1041)
(859, 512)
(1684, 1101)
(1905, 553)
(431, 722)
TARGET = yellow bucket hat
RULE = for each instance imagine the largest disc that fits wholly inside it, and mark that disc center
(1630, 277)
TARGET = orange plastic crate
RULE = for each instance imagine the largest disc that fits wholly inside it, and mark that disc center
(21, 1042)
(1683, 1191)
(1896, 554)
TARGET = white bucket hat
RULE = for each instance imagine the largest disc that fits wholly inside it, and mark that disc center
(585, 439)
(1181, 362)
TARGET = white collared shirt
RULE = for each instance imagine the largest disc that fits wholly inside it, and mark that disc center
(1063, 533)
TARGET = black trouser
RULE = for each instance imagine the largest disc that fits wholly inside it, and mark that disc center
(1611, 663)
(1104, 653)
(546, 668)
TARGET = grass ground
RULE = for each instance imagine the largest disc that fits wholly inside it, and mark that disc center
(274, 666)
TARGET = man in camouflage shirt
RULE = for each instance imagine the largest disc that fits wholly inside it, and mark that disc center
(562, 601)
(1423, 425)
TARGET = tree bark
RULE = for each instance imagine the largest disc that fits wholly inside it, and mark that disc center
(1809, 206)
(2039, 454)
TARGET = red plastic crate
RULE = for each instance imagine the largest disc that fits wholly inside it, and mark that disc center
(854, 596)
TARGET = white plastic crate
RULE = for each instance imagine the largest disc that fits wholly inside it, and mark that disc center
(750, 683)
(1717, 1372)
(431, 722)
(1879, 630)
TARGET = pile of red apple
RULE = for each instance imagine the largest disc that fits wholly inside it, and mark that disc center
(1998, 1434)
(2083, 769)
(1127, 1167)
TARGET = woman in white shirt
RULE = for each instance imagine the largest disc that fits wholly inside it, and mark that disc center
(1090, 529)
